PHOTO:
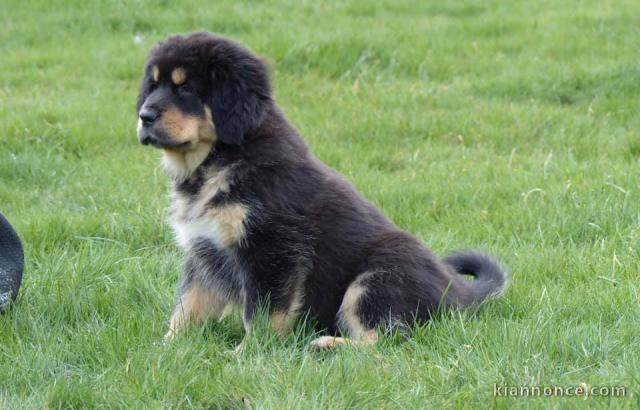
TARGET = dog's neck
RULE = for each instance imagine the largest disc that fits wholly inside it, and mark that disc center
(181, 165)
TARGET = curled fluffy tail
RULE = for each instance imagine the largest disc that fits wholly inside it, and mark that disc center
(490, 279)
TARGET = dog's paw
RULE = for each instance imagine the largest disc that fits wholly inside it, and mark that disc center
(237, 351)
(240, 348)
(169, 336)
(327, 342)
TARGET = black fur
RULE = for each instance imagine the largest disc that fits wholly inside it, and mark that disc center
(221, 68)
(306, 222)
(11, 264)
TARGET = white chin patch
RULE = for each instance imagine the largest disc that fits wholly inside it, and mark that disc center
(139, 127)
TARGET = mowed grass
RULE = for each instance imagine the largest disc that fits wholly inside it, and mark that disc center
(507, 126)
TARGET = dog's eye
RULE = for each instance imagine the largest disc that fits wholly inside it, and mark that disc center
(184, 88)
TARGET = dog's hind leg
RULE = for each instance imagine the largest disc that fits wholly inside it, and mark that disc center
(385, 297)
(350, 319)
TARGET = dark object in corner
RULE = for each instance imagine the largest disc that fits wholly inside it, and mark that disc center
(11, 264)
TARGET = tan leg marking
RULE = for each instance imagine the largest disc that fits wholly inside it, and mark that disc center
(282, 321)
(349, 319)
(348, 312)
(230, 310)
(196, 305)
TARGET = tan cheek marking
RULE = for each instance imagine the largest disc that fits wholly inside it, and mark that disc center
(155, 73)
(208, 114)
(207, 131)
(178, 76)
(230, 222)
(180, 127)
(183, 128)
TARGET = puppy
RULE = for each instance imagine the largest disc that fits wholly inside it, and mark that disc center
(262, 221)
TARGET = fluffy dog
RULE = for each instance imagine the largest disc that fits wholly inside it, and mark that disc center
(261, 220)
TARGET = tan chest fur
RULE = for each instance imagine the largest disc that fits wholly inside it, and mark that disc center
(193, 218)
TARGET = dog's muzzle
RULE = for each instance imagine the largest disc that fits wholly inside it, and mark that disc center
(157, 139)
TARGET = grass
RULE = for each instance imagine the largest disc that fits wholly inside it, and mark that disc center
(508, 126)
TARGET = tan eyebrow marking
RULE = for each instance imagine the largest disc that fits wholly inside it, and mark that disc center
(155, 72)
(178, 75)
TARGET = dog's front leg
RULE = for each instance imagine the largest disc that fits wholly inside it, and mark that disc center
(250, 302)
(196, 304)
(198, 301)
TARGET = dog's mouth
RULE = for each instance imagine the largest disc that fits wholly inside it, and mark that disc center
(161, 144)
(160, 141)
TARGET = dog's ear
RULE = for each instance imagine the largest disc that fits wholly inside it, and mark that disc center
(240, 90)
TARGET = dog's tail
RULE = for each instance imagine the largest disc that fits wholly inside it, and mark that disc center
(490, 279)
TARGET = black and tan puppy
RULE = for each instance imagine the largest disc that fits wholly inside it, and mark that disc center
(262, 220)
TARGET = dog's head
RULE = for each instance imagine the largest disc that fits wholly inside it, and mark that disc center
(198, 90)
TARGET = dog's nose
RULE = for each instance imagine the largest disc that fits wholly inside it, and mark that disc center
(148, 117)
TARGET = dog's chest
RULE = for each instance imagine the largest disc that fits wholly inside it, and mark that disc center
(195, 217)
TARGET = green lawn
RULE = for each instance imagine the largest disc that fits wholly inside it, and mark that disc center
(511, 126)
